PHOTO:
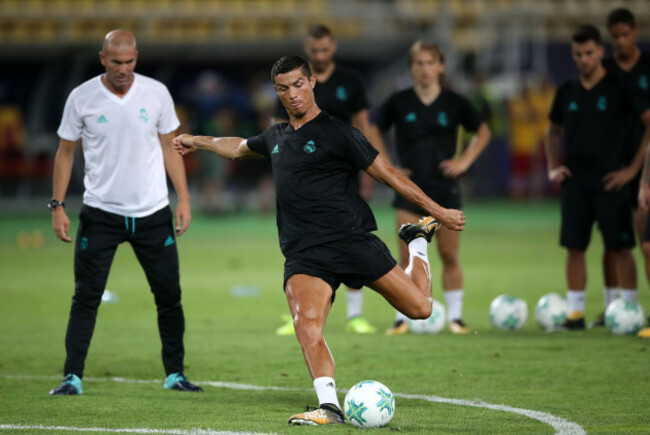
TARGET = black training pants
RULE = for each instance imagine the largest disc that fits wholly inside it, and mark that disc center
(154, 244)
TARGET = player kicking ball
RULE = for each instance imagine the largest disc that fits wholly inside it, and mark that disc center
(325, 226)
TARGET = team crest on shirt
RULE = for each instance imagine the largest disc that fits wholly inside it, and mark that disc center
(341, 93)
(602, 104)
(411, 117)
(83, 243)
(309, 147)
(442, 119)
(573, 106)
(643, 82)
(144, 117)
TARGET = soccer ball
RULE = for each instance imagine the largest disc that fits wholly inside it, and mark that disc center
(434, 324)
(551, 311)
(508, 313)
(369, 404)
(624, 317)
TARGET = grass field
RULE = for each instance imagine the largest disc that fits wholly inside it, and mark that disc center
(592, 378)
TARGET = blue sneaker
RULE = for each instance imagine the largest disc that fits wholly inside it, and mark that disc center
(178, 381)
(70, 386)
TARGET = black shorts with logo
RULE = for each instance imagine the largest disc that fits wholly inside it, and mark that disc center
(355, 261)
(447, 194)
(582, 205)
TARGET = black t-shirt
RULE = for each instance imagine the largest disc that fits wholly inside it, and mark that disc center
(342, 95)
(638, 82)
(595, 124)
(426, 135)
(315, 172)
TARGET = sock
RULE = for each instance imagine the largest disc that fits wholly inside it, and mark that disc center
(454, 300)
(576, 300)
(609, 294)
(399, 317)
(355, 302)
(418, 248)
(629, 295)
(326, 391)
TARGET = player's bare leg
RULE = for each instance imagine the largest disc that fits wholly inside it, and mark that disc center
(576, 276)
(611, 287)
(310, 301)
(452, 279)
(403, 217)
(409, 291)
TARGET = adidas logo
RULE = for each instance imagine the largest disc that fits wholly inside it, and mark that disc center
(276, 149)
(169, 241)
(102, 120)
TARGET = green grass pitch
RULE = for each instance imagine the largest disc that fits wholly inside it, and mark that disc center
(592, 378)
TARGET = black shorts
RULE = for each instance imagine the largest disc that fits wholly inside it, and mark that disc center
(447, 194)
(355, 261)
(582, 205)
(646, 230)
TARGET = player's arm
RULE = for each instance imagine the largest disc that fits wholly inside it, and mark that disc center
(618, 179)
(452, 168)
(385, 173)
(176, 170)
(231, 148)
(556, 173)
(361, 120)
(60, 181)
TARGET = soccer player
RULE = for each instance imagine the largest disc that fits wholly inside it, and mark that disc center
(632, 67)
(340, 92)
(126, 123)
(325, 226)
(593, 114)
(427, 118)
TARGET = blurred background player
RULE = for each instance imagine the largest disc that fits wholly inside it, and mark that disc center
(427, 118)
(340, 92)
(126, 123)
(632, 67)
(593, 114)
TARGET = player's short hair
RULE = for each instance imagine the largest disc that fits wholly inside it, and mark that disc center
(289, 63)
(432, 48)
(318, 31)
(621, 16)
(586, 32)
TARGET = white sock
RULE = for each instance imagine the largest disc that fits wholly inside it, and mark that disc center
(609, 294)
(326, 391)
(400, 317)
(355, 302)
(629, 295)
(418, 248)
(454, 300)
(576, 300)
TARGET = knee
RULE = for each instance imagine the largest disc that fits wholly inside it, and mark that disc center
(449, 257)
(575, 254)
(422, 310)
(309, 329)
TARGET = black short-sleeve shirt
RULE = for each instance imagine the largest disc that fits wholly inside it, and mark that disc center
(425, 135)
(596, 122)
(315, 172)
(342, 95)
(637, 81)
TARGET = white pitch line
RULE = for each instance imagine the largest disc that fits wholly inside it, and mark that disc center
(126, 430)
(560, 425)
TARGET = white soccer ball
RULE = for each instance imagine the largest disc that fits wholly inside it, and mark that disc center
(434, 324)
(624, 317)
(551, 311)
(508, 313)
(369, 404)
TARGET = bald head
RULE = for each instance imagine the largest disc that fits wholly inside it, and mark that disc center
(119, 57)
(118, 39)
